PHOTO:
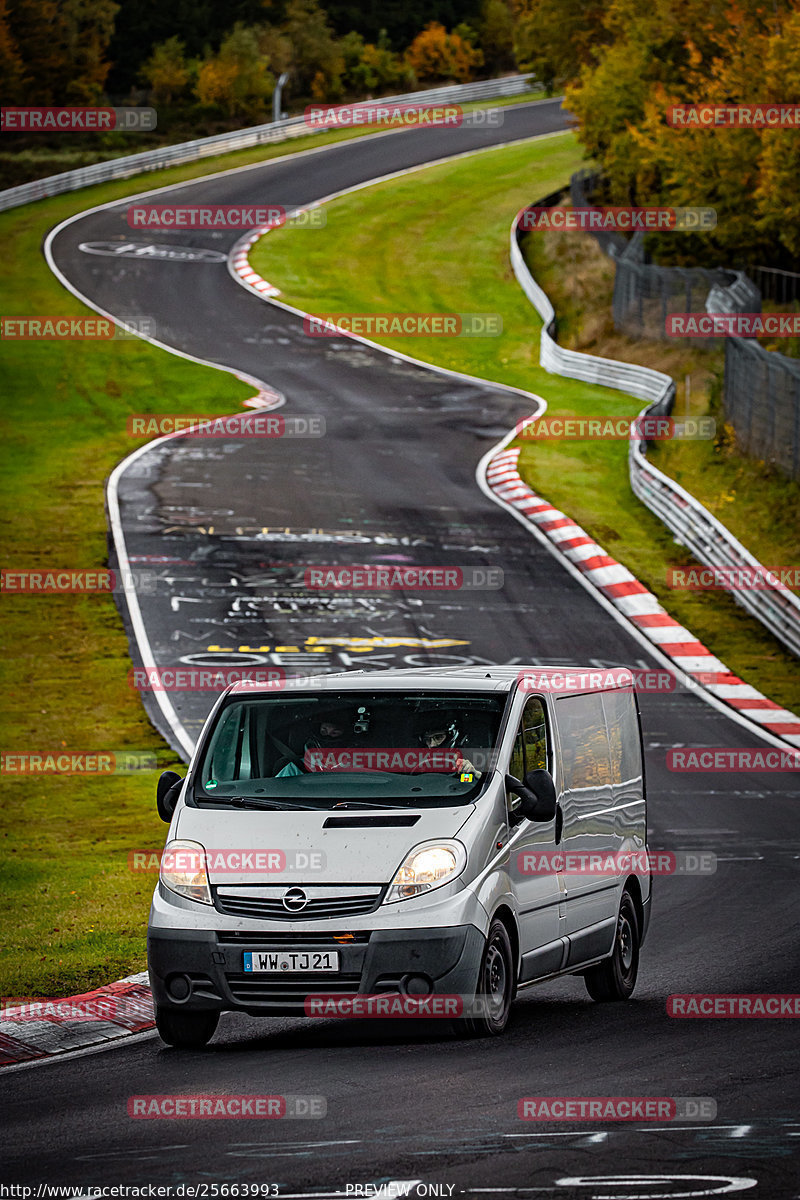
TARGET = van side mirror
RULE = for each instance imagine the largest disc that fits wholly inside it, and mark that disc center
(167, 791)
(537, 793)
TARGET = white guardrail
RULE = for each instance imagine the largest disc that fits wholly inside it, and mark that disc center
(242, 139)
(777, 608)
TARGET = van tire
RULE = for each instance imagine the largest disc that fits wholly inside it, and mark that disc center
(615, 978)
(186, 1030)
(495, 978)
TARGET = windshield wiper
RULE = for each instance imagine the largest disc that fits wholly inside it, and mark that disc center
(257, 802)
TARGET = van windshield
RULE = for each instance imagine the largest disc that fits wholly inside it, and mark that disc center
(372, 749)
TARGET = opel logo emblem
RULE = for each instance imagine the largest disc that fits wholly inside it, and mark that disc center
(294, 900)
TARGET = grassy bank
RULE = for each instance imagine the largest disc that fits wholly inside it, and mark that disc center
(754, 500)
(437, 241)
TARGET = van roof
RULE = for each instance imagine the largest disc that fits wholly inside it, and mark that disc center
(571, 680)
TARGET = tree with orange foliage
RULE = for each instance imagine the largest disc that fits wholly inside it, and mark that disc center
(438, 56)
(687, 52)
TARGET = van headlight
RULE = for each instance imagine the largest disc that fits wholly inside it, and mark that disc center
(427, 867)
(183, 871)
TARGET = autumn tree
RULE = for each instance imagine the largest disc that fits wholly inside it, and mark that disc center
(386, 70)
(237, 79)
(555, 38)
(61, 48)
(167, 72)
(685, 52)
(438, 56)
(777, 194)
(496, 33)
(317, 62)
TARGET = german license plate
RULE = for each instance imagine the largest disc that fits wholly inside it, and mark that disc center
(300, 961)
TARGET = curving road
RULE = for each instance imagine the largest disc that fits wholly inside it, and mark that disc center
(231, 526)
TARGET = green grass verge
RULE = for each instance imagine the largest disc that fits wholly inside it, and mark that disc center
(754, 500)
(437, 241)
(75, 915)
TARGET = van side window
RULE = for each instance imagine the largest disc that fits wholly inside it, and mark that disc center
(584, 742)
(534, 729)
(623, 737)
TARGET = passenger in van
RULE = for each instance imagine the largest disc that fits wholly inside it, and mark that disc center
(329, 734)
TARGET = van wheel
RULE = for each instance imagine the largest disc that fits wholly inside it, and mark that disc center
(186, 1030)
(495, 986)
(615, 978)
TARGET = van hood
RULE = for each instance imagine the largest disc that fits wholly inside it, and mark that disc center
(356, 845)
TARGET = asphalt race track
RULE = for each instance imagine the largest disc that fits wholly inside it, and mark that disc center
(229, 528)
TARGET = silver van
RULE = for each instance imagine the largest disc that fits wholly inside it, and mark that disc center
(457, 834)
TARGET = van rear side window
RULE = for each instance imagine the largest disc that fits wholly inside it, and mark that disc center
(584, 742)
(623, 736)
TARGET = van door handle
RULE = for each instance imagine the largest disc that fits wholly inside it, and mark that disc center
(559, 823)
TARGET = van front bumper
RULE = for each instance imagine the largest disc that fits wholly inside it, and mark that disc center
(200, 970)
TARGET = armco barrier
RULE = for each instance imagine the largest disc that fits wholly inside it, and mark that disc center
(241, 139)
(693, 525)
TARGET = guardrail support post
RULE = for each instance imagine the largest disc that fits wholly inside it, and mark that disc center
(278, 94)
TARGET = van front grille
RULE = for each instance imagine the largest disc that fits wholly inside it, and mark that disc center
(241, 904)
(290, 988)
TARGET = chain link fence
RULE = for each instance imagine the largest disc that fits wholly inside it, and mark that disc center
(761, 393)
(782, 287)
(644, 293)
(761, 399)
